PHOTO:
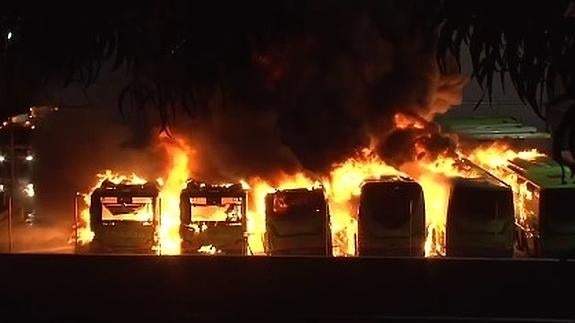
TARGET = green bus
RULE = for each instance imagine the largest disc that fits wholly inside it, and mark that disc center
(545, 224)
(298, 223)
(477, 130)
(391, 218)
(480, 216)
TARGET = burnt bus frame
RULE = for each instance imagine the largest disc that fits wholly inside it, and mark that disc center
(131, 191)
(327, 220)
(214, 193)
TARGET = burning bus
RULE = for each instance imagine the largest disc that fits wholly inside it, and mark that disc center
(545, 224)
(213, 218)
(124, 217)
(477, 130)
(542, 227)
(480, 218)
(297, 222)
(391, 218)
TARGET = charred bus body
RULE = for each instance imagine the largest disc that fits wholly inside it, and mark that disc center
(124, 218)
(545, 222)
(391, 218)
(298, 223)
(213, 219)
(480, 216)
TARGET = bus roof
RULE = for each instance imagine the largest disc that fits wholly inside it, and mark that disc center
(489, 127)
(542, 171)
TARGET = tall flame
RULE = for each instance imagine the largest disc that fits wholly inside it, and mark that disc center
(259, 188)
(178, 152)
(343, 188)
(178, 172)
(433, 174)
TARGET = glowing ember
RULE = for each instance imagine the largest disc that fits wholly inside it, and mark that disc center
(208, 249)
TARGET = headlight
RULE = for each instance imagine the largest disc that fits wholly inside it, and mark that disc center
(29, 158)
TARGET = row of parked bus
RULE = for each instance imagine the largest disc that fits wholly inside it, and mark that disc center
(544, 224)
(124, 218)
(481, 219)
(483, 216)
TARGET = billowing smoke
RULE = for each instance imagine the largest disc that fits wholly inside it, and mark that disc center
(331, 87)
(342, 82)
(232, 146)
(398, 146)
(334, 85)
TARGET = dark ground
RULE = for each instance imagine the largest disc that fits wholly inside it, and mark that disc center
(195, 288)
(40, 237)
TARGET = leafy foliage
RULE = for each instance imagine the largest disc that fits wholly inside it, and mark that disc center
(532, 42)
(179, 53)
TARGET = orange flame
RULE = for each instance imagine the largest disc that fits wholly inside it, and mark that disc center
(404, 121)
(177, 174)
(343, 188)
(178, 171)
(433, 174)
(259, 188)
(494, 158)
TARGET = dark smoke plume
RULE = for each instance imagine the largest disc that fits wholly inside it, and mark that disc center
(309, 99)
(402, 146)
(312, 98)
(326, 90)
(344, 79)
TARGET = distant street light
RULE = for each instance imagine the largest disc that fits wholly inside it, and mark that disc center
(9, 35)
(29, 190)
